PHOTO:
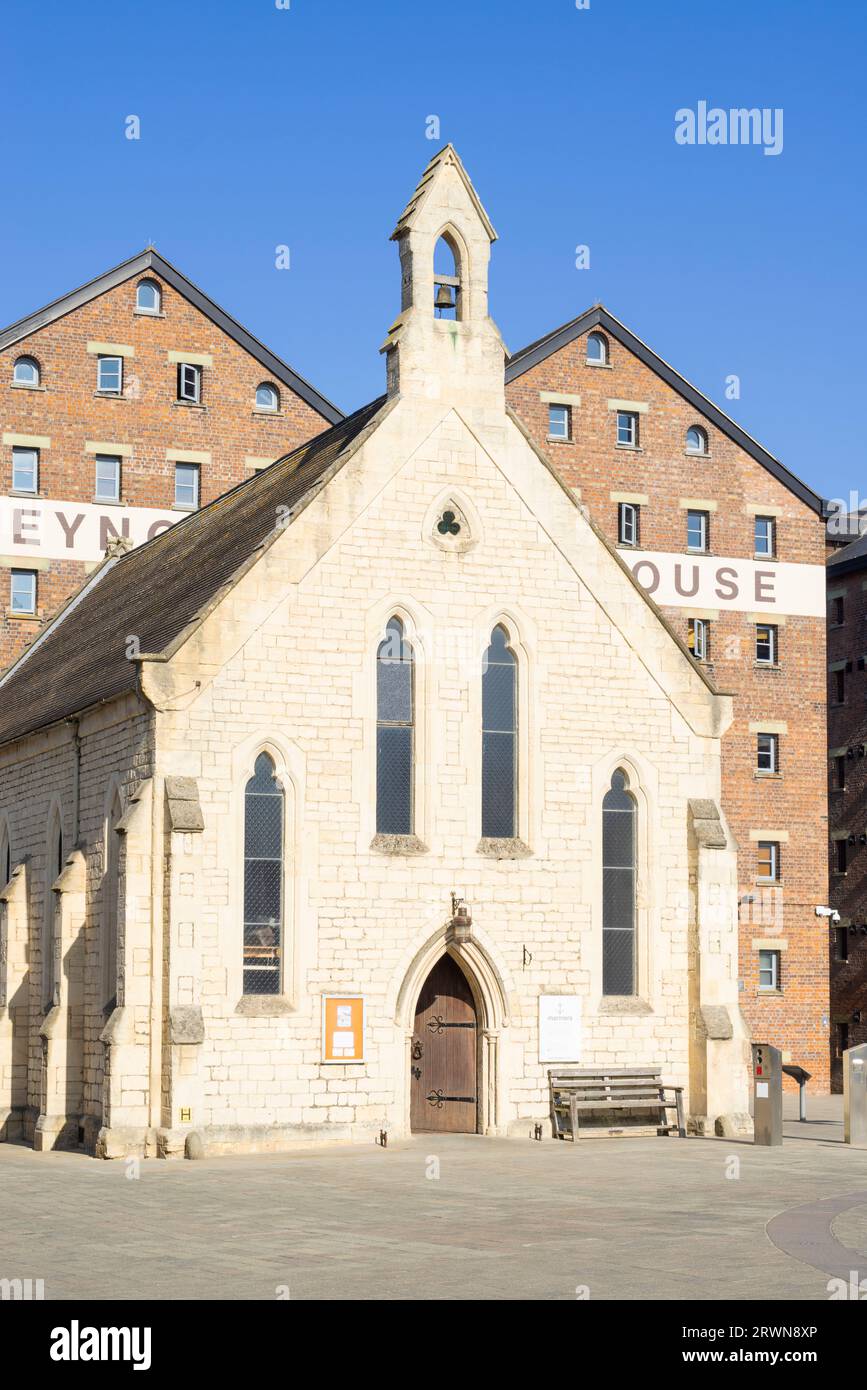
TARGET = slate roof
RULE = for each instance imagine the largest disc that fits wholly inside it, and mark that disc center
(849, 558)
(159, 589)
(151, 260)
(600, 317)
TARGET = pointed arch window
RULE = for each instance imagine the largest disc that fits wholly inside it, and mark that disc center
(618, 888)
(395, 728)
(499, 738)
(111, 905)
(53, 867)
(264, 811)
(5, 854)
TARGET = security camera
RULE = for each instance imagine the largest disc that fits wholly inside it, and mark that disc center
(828, 912)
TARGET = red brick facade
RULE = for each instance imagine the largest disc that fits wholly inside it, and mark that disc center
(147, 422)
(847, 801)
(788, 692)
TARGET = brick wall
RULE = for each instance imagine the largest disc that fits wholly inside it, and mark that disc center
(147, 418)
(794, 1019)
(847, 736)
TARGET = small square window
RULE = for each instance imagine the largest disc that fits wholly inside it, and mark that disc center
(22, 594)
(698, 638)
(107, 478)
(697, 530)
(769, 970)
(765, 535)
(767, 753)
(627, 428)
(25, 470)
(189, 382)
(109, 375)
(766, 644)
(840, 774)
(841, 936)
(841, 856)
(559, 422)
(187, 485)
(768, 861)
(628, 523)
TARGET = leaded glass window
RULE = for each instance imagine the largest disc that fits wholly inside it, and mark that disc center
(499, 738)
(394, 732)
(263, 879)
(618, 888)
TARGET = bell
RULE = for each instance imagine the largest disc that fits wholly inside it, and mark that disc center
(443, 298)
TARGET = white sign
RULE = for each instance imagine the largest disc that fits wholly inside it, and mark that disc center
(37, 528)
(559, 1028)
(741, 586)
(761, 1090)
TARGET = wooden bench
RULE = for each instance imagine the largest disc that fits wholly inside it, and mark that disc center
(629, 1088)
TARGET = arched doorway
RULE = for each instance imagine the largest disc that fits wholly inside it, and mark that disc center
(444, 1053)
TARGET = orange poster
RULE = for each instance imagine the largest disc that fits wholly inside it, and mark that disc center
(342, 1028)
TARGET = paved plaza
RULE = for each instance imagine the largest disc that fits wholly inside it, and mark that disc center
(628, 1218)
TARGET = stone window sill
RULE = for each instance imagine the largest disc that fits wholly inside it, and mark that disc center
(23, 386)
(557, 439)
(697, 454)
(264, 1006)
(606, 366)
(503, 849)
(110, 396)
(23, 617)
(33, 496)
(767, 666)
(189, 405)
(630, 448)
(398, 844)
(267, 414)
(770, 559)
(623, 1004)
(148, 313)
(768, 776)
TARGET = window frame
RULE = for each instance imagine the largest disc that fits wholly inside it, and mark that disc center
(17, 451)
(32, 362)
(771, 536)
(107, 458)
(773, 846)
(157, 289)
(101, 365)
(772, 643)
(32, 575)
(703, 448)
(384, 821)
(602, 360)
(566, 437)
(704, 531)
(267, 409)
(768, 749)
(608, 811)
(772, 968)
(196, 472)
(279, 947)
(625, 511)
(841, 855)
(698, 638)
(183, 393)
(490, 813)
(632, 417)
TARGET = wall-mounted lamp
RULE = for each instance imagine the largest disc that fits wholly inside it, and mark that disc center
(462, 918)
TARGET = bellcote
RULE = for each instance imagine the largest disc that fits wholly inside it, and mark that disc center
(444, 341)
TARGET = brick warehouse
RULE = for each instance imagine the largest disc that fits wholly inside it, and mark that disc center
(672, 481)
(407, 790)
(125, 404)
(847, 793)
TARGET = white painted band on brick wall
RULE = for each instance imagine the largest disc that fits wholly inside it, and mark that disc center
(740, 586)
(72, 530)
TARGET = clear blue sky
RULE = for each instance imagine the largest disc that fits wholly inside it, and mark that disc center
(306, 126)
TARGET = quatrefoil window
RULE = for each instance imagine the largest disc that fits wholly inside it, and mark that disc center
(448, 524)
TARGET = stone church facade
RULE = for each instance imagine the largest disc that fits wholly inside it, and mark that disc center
(388, 730)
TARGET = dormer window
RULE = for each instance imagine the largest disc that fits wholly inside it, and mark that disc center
(267, 397)
(447, 279)
(148, 299)
(597, 350)
(25, 372)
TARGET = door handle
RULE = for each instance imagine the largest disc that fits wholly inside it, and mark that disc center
(417, 1051)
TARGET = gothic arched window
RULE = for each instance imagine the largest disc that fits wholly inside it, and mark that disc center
(50, 912)
(447, 279)
(618, 888)
(394, 732)
(111, 905)
(263, 880)
(499, 739)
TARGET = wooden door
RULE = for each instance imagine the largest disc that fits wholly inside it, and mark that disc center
(443, 1053)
